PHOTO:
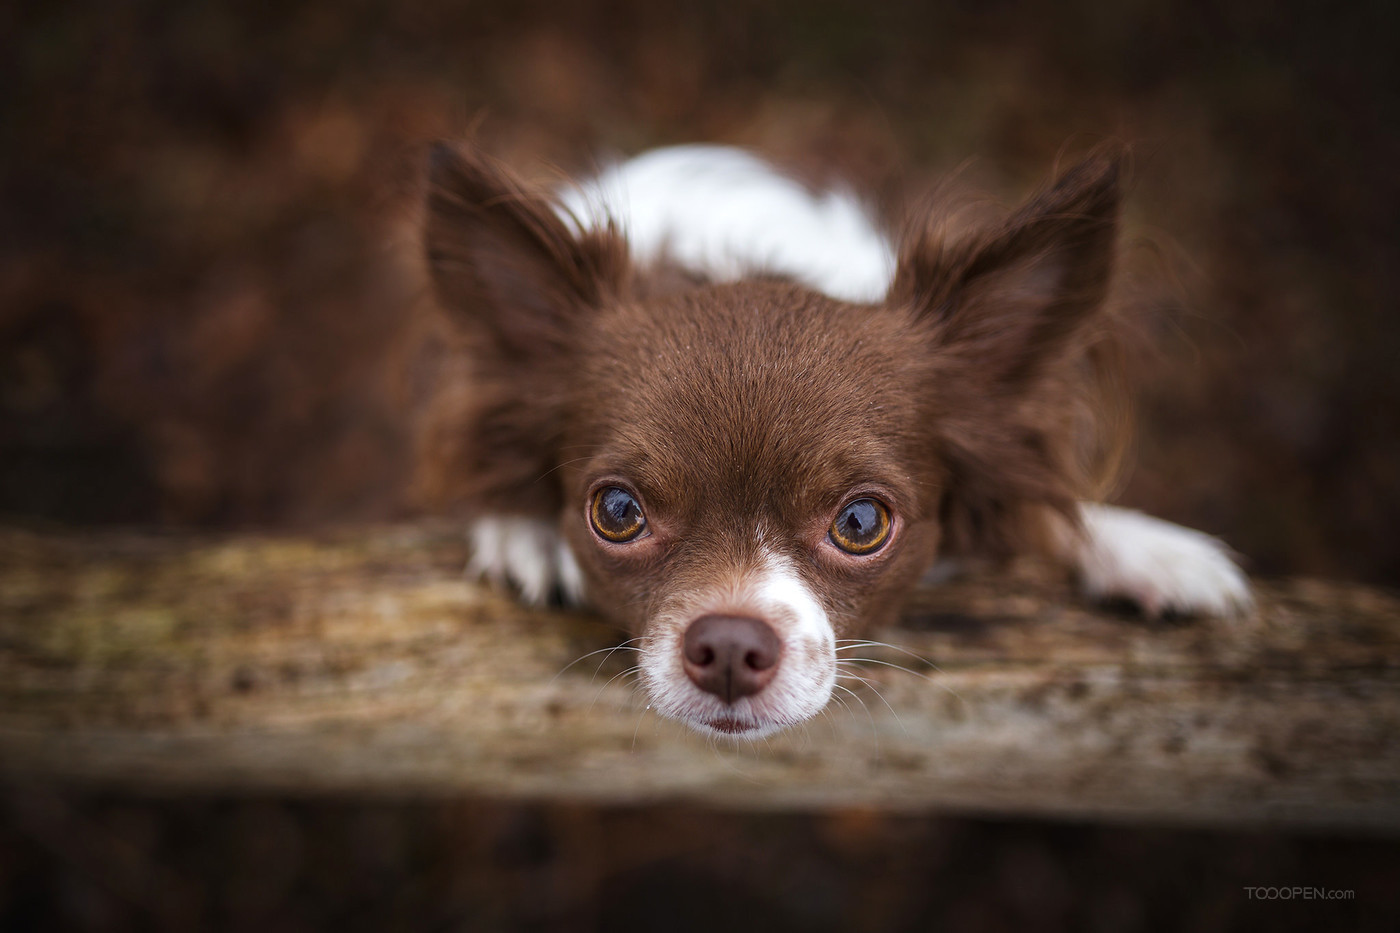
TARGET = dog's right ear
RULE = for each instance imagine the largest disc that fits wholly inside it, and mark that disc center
(517, 283)
(503, 261)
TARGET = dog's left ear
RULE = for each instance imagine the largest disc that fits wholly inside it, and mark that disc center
(1013, 314)
(1013, 297)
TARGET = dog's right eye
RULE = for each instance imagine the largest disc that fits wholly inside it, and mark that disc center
(616, 515)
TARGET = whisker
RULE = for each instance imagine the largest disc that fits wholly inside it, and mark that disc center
(640, 716)
(850, 712)
(874, 730)
(847, 644)
(605, 660)
(857, 698)
(881, 697)
(602, 689)
(560, 466)
(619, 647)
(915, 673)
(898, 667)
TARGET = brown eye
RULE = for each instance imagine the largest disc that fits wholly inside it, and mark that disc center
(617, 515)
(862, 527)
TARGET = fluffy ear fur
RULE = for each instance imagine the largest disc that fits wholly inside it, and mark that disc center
(502, 259)
(1018, 320)
(515, 282)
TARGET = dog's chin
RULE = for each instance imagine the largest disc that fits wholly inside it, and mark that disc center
(736, 728)
(749, 719)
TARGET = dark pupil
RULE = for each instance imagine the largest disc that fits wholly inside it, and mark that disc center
(620, 510)
(859, 522)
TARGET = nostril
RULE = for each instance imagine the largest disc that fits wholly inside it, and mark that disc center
(730, 656)
(759, 660)
(699, 649)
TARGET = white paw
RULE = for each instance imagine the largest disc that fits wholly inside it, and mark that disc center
(527, 554)
(1160, 566)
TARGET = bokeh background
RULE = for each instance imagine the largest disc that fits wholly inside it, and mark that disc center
(209, 302)
(207, 269)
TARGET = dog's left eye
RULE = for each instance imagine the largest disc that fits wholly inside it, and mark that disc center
(616, 514)
(862, 527)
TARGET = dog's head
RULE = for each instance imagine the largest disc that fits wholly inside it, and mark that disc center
(747, 472)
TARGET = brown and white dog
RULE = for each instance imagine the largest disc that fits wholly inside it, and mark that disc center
(727, 412)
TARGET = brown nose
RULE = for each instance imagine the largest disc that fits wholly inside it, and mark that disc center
(730, 656)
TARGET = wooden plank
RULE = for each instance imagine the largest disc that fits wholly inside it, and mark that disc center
(363, 663)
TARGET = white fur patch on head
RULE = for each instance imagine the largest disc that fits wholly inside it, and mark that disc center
(806, 675)
(1158, 565)
(725, 214)
(525, 553)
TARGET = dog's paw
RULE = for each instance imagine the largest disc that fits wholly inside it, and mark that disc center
(528, 555)
(1162, 567)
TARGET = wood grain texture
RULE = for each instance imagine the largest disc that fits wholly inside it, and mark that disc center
(364, 663)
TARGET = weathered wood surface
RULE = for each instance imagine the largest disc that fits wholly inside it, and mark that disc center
(364, 663)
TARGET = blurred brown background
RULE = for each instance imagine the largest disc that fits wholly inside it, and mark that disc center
(208, 289)
(207, 267)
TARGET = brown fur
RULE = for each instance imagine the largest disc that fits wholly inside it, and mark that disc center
(1022, 347)
(516, 282)
(960, 400)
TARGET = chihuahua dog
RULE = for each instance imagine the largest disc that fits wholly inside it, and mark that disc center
(728, 412)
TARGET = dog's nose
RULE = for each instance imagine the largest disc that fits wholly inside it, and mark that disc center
(730, 656)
